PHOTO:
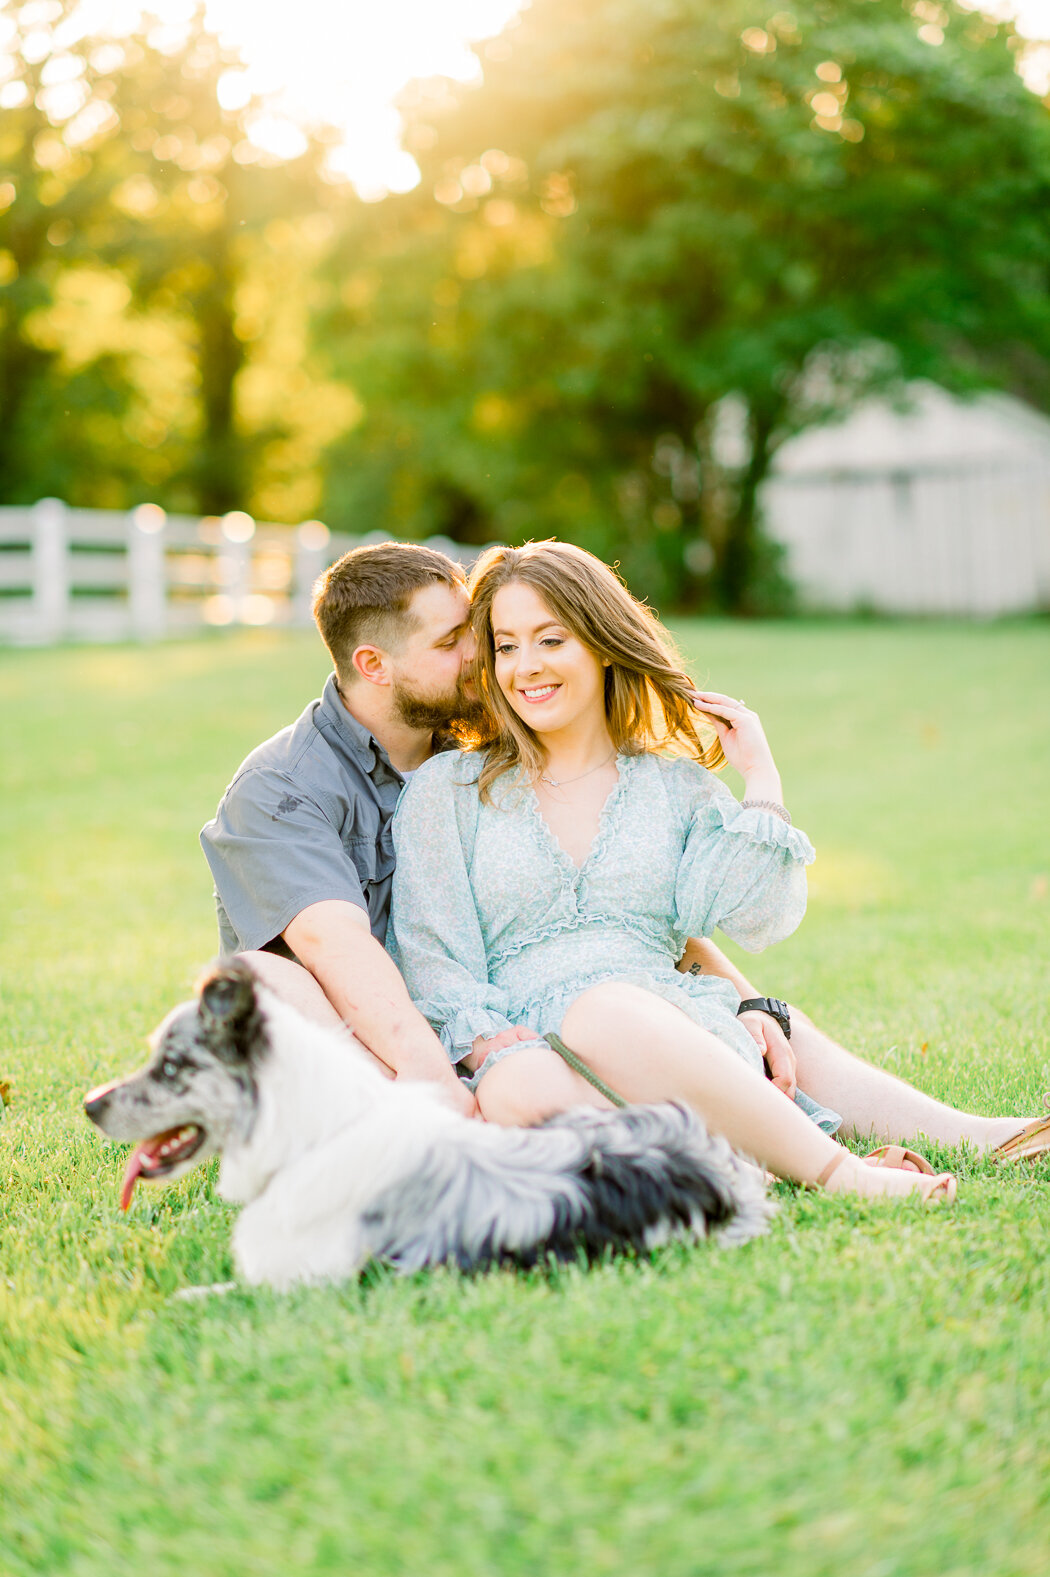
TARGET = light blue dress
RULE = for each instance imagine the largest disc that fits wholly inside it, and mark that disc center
(493, 924)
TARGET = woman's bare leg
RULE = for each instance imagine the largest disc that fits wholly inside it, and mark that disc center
(648, 1050)
(875, 1104)
(297, 986)
(531, 1085)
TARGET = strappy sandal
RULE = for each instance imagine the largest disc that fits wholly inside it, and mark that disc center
(898, 1159)
(934, 1189)
(1032, 1142)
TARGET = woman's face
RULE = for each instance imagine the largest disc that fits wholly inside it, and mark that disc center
(548, 676)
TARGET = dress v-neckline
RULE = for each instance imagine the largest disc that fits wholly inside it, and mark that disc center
(601, 835)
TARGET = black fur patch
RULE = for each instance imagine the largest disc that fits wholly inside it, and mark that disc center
(232, 1026)
(642, 1172)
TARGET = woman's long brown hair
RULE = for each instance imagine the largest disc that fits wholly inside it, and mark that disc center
(647, 693)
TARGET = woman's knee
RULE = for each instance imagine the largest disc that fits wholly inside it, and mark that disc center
(294, 985)
(615, 1006)
(273, 969)
(527, 1087)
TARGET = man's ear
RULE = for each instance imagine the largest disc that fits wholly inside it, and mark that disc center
(370, 663)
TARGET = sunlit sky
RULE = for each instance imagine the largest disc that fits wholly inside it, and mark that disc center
(343, 62)
(340, 62)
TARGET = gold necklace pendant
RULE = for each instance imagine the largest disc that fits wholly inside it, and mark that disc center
(564, 782)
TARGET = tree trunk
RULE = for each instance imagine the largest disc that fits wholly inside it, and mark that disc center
(221, 467)
(21, 366)
(736, 570)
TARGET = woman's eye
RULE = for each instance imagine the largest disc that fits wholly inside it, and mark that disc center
(501, 651)
(552, 640)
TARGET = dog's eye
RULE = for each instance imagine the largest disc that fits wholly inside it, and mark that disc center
(169, 1067)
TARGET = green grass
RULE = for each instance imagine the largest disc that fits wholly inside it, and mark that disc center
(865, 1391)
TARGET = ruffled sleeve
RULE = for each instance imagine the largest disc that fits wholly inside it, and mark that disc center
(743, 871)
(435, 935)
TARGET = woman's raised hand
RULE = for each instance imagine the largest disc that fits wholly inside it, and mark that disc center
(744, 742)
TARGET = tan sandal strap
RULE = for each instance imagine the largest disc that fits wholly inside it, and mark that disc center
(894, 1156)
(1033, 1140)
(831, 1168)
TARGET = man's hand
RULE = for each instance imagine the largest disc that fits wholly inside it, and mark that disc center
(775, 1048)
(506, 1037)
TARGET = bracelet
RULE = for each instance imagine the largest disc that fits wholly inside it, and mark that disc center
(767, 804)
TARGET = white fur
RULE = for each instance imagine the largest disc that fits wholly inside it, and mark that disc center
(337, 1156)
(336, 1165)
(330, 1133)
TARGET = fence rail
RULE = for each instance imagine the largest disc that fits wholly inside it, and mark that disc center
(100, 575)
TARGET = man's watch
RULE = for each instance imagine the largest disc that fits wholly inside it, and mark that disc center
(771, 1005)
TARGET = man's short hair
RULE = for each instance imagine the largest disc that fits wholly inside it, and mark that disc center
(363, 598)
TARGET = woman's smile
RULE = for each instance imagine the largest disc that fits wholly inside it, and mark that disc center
(551, 679)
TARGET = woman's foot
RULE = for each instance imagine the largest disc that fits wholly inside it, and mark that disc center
(848, 1174)
(1028, 1142)
(898, 1159)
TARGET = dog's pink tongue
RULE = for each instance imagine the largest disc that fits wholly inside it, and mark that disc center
(132, 1174)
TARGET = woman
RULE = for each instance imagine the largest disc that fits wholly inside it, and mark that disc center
(548, 878)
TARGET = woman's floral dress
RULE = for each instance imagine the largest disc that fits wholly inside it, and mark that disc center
(493, 924)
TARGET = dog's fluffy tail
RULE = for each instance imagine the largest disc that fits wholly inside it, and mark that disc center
(654, 1171)
(585, 1182)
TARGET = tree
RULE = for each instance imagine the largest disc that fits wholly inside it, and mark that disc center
(662, 237)
(200, 216)
(50, 183)
(149, 253)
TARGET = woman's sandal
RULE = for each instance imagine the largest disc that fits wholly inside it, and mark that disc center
(934, 1189)
(898, 1159)
(1032, 1142)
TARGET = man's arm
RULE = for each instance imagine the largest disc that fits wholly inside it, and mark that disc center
(333, 940)
(765, 1031)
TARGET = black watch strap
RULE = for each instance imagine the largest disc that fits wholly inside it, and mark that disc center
(771, 1005)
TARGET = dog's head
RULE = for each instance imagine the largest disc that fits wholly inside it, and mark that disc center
(197, 1092)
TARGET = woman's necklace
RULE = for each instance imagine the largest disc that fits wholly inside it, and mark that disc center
(563, 782)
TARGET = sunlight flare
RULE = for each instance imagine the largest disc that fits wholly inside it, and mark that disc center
(340, 63)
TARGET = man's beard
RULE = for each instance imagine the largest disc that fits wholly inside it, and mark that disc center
(435, 713)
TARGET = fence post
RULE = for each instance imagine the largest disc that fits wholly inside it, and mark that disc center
(50, 571)
(147, 588)
(310, 541)
(235, 560)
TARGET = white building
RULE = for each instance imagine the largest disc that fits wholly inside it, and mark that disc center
(942, 509)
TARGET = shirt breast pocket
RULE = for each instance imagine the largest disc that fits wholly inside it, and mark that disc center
(374, 865)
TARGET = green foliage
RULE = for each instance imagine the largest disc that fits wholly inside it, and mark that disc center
(149, 254)
(864, 1391)
(656, 241)
(647, 209)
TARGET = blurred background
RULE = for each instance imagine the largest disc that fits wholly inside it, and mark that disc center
(754, 303)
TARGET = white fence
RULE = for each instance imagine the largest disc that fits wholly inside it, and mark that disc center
(94, 575)
(960, 540)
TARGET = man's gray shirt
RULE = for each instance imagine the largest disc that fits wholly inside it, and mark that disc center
(306, 818)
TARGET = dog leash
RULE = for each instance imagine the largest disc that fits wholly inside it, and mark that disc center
(578, 1065)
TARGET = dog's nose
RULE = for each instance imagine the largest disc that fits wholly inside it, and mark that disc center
(95, 1100)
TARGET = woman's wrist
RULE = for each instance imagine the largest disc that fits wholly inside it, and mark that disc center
(764, 783)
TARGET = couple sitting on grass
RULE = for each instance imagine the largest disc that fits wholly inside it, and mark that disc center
(545, 891)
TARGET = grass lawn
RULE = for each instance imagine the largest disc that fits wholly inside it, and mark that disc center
(865, 1391)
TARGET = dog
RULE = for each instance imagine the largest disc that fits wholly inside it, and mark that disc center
(337, 1165)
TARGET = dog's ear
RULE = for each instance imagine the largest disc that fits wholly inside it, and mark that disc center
(228, 1008)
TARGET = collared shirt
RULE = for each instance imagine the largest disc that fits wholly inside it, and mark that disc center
(306, 818)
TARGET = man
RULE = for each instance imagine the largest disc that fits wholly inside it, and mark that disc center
(301, 851)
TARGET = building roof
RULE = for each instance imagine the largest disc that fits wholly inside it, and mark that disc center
(938, 431)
